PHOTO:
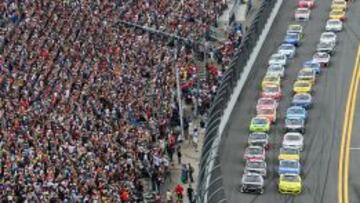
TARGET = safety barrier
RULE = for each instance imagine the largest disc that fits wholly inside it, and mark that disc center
(210, 184)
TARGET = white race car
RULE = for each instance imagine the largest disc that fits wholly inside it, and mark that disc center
(278, 59)
(294, 140)
(302, 14)
(334, 25)
(288, 50)
(322, 58)
(277, 70)
(328, 37)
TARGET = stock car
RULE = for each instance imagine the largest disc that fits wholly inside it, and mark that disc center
(296, 112)
(322, 58)
(313, 65)
(288, 50)
(302, 14)
(256, 166)
(252, 183)
(289, 166)
(294, 125)
(270, 80)
(326, 47)
(307, 74)
(337, 15)
(290, 184)
(339, 5)
(271, 91)
(278, 59)
(276, 70)
(302, 86)
(259, 139)
(294, 140)
(306, 4)
(328, 37)
(334, 25)
(269, 113)
(260, 124)
(289, 153)
(296, 28)
(254, 153)
(292, 38)
(302, 99)
(266, 102)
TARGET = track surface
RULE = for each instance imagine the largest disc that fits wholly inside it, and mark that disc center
(323, 130)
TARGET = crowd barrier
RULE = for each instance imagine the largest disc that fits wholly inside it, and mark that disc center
(210, 187)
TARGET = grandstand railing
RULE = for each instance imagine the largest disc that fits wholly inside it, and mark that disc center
(210, 187)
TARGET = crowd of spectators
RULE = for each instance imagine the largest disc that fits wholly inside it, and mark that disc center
(87, 106)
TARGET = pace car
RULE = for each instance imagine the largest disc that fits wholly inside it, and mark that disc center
(252, 183)
(302, 14)
(278, 59)
(288, 50)
(259, 139)
(339, 5)
(313, 65)
(290, 184)
(322, 58)
(292, 38)
(306, 4)
(326, 47)
(295, 125)
(265, 102)
(260, 124)
(256, 166)
(271, 91)
(296, 112)
(276, 70)
(328, 37)
(270, 80)
(307, 74)
(289, 166)
(294, 140)
(269, 113)
(302, 86)
(289, 153)
(337, 15)
(334, 25)
(254, 153)
(302, 99)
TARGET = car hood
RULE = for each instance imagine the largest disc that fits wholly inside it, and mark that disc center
(288, 142)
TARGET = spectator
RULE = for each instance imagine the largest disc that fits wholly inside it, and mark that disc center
(190, 193)
(179, 190)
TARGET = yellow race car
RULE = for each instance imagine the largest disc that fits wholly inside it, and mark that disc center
(290, 184)
(337, 14)
(339, 5)
(307, 74)
(302, 86)
(271, 80)
(289, 153)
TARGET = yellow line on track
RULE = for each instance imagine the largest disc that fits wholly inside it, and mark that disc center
(343, 192)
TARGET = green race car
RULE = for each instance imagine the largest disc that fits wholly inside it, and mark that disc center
(259, 124)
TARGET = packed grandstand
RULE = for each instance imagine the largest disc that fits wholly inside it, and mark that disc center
(88, 105)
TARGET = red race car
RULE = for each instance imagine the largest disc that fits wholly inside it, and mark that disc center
(266, 102)
(306, 4)
(272, 91)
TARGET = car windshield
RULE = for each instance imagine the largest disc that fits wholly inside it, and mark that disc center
(302, 11)
(260, 121)
(327, 35)
(253, 150)
(291, 178)
(302, 84)
(277, 57)
(337, 12)
(266, 111)
(257, 136)
(334, 22)
(321, 55)
(271, 78)
(295, 111)
(255, 164)
(294, 28)
(266, 101)
(292, 36)
(275, 68)
(292, 137)
(271, 89)
(289, 164)
(286, 47)
(288, 150)
(293, 121)
(311, 65)
(252, 178)
(302, 97)
(339, 3)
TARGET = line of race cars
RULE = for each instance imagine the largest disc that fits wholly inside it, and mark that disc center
(289, 170)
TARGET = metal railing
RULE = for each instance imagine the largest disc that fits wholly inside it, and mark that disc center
(210, 187)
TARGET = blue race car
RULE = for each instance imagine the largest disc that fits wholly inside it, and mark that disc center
(303, 100)
(292, 38)
(289, 167)
(296, 112)
(313, 65)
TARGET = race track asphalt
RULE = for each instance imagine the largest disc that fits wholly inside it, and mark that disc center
(323, 129)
